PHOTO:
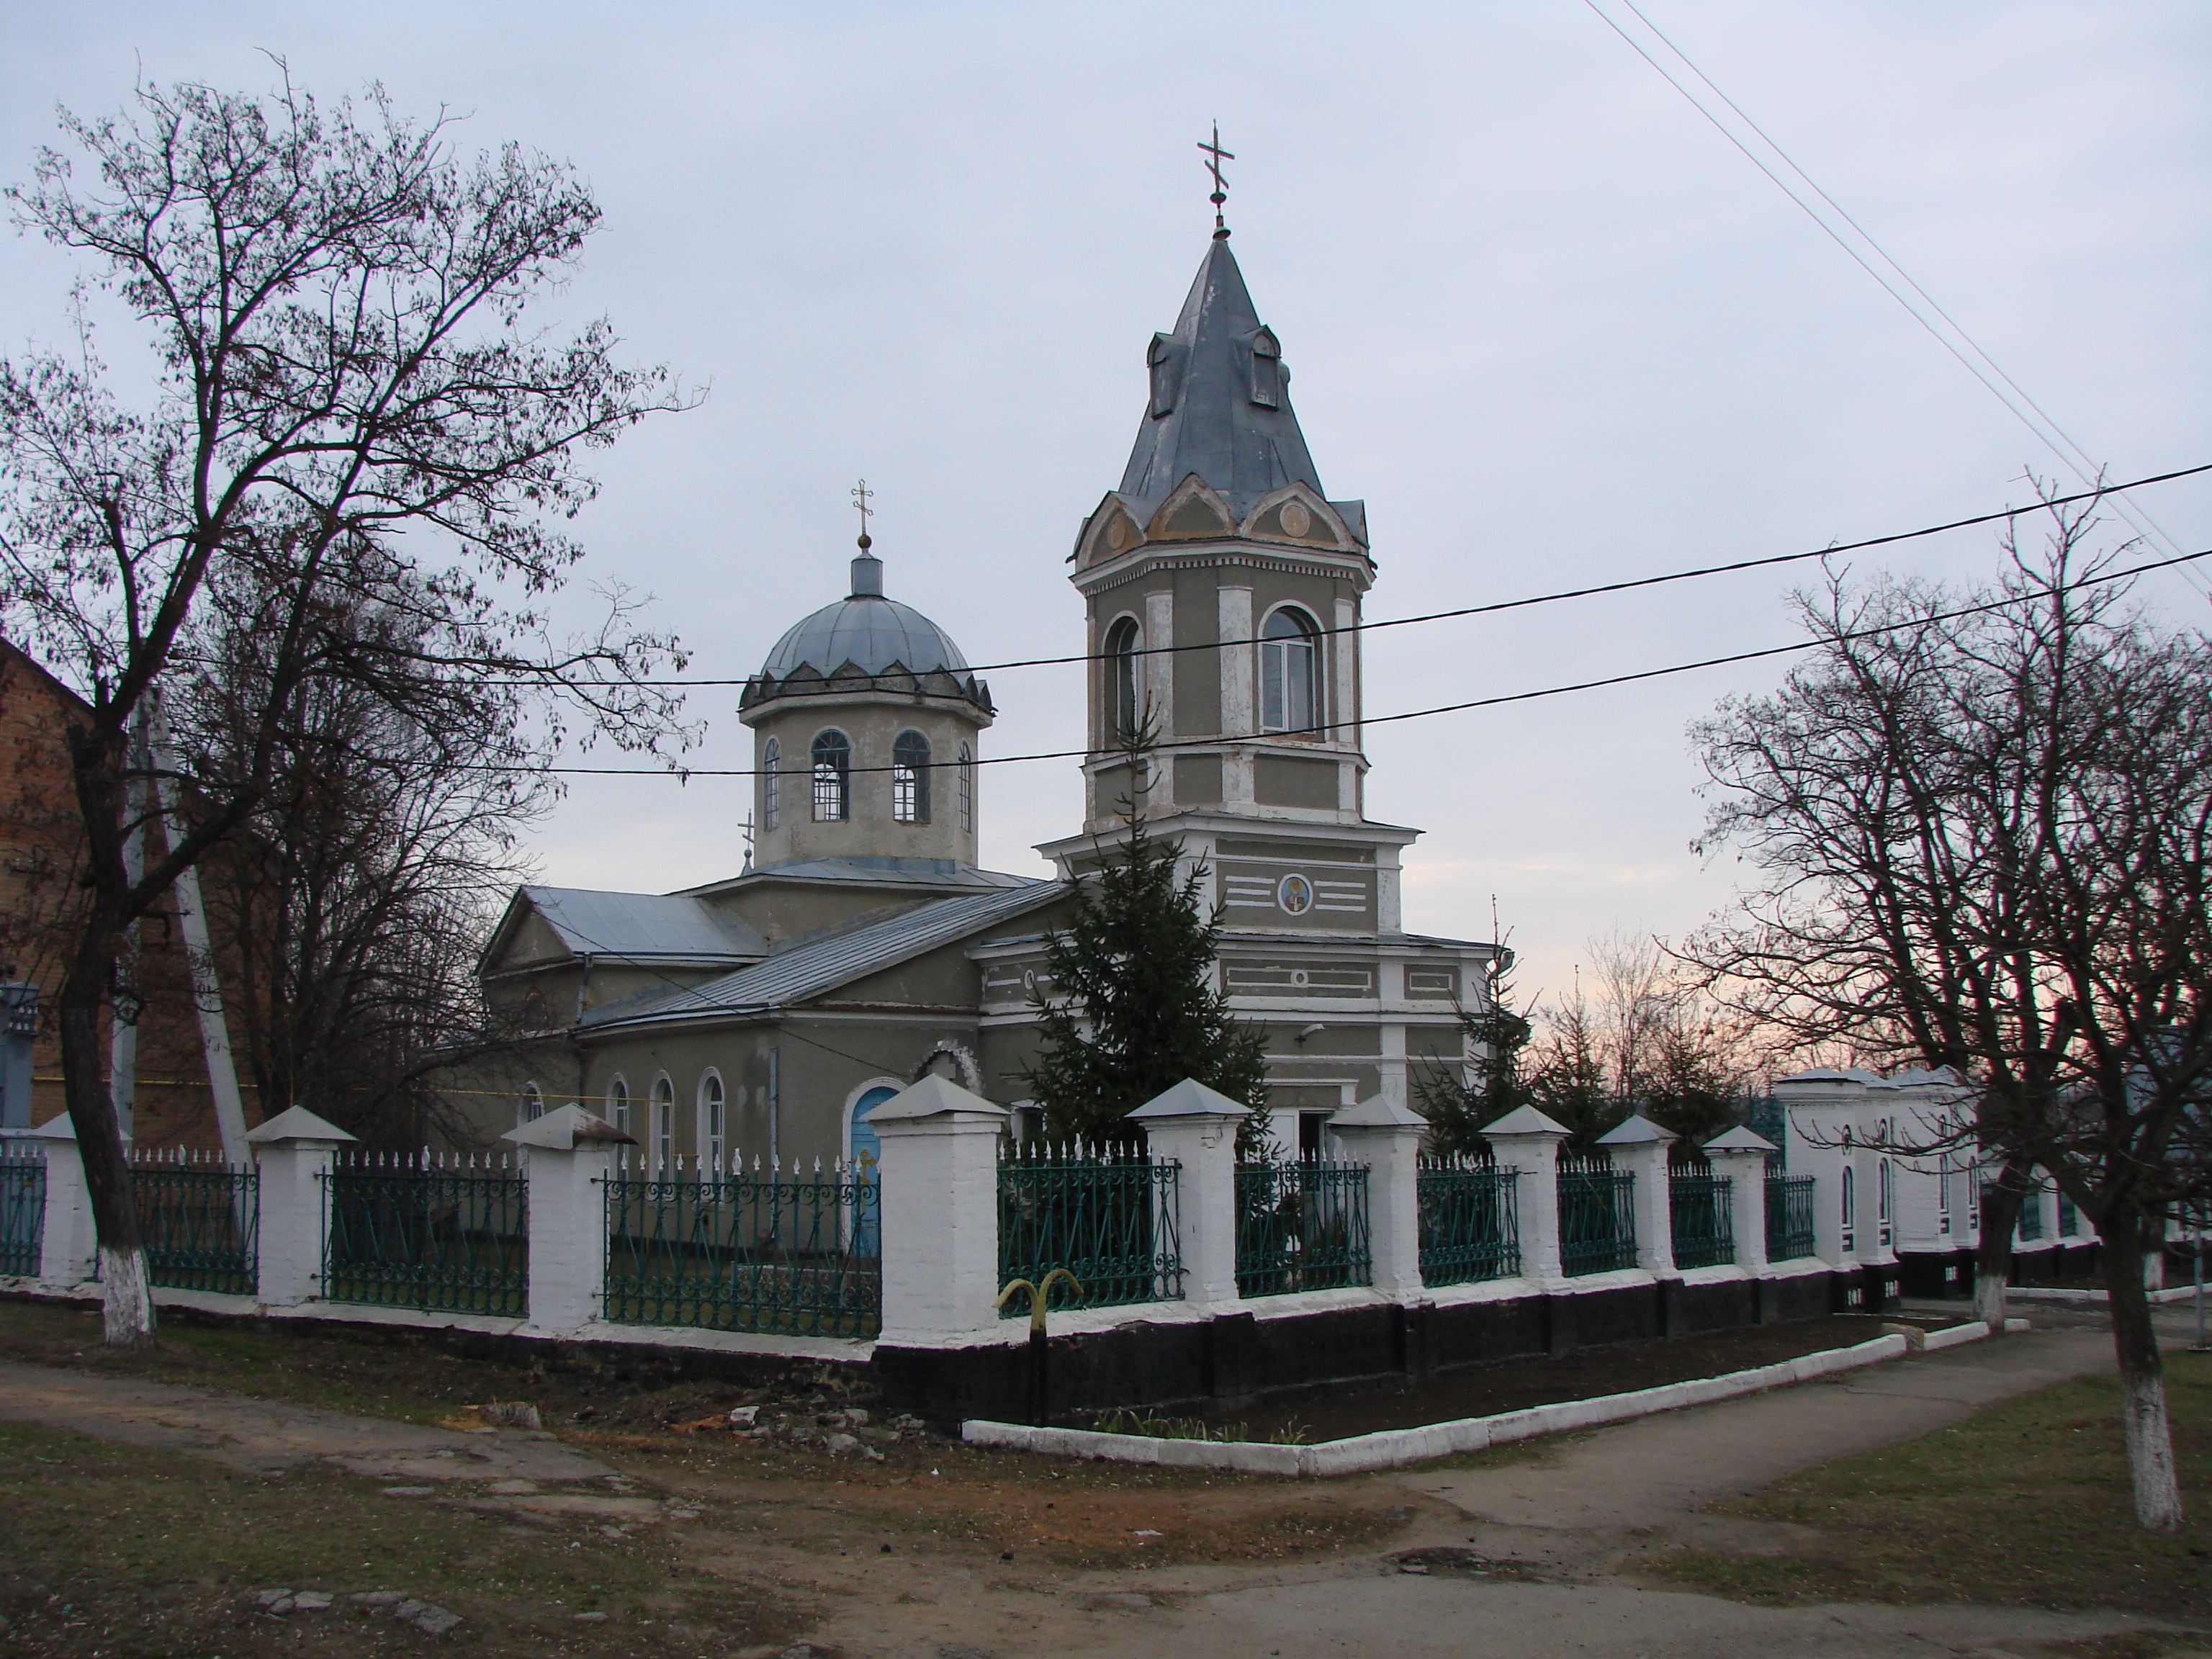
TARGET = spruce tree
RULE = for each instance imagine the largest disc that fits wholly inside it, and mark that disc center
(1131, 1007)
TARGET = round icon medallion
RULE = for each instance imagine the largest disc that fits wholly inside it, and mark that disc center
(1295, 894)
(1296, 519)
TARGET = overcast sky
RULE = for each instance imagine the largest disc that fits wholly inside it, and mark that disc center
(1541, 316)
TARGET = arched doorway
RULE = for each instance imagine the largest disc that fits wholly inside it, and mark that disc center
(868, 1155)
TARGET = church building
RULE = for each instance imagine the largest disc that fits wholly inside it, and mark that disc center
(766, 1015)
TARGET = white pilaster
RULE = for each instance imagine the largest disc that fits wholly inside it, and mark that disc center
(295, 1150)
(1159, 668)
(939, 1203)
(1384, 1136)
(569, 1154)
(1639, 1146)
(1196, 1126)
(1344, 712)
(1527, 1140)
(70, 1248)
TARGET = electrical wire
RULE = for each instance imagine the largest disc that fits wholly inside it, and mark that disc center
(2047, 431)
(684, 774)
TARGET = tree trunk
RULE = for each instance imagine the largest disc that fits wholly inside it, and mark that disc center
(2000, 1204)
(2143, 1379)
(127, 1298)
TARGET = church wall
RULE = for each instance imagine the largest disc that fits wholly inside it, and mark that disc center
(781, 911)
(1198, 673)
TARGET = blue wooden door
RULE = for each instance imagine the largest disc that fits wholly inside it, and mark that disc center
(868, 1154)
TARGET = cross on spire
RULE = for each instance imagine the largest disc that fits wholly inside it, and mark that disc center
(861, 496)
(1215, 156)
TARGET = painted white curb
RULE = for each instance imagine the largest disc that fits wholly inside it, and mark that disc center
(2057, 1293)
(1391, 1448)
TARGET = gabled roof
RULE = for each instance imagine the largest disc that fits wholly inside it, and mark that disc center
(807, 970)
(1212, 423)
(634, 926)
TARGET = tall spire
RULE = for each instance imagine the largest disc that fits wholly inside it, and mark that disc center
(1220, 399)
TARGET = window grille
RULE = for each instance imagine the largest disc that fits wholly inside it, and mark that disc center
(910, 778)
(771, 784)
(711, 1137)
(1289, 661)
(533, 1104)
(832, 778)
(663, 1122)
(618, 1105)
(967, 788)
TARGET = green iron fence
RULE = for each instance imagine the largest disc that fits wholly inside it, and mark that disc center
(448, 1233)
(1702, 1221)
(1597, 1217)
(727, 1249)
(1788, 1216)
(1112, 1219)
(1301, 1226)
(1470, 1228)
(23, 1213)
(200, 1219)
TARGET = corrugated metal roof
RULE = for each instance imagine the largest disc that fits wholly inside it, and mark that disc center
(922, 872)
(811, 969)
(642, 924)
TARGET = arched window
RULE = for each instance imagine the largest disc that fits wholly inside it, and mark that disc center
(1289, 663)
(712, 1129)
(1122, 709)
(832, 778)
(1882, 1199)
(910, 778)
(967, 788)
(663, 1128)
(771, 784)
(618, 1105)
(1267, 370)
(1160, 359)
(1850, 1207)
(533, 1104)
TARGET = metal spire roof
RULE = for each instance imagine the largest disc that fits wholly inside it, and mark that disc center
(1221, 404)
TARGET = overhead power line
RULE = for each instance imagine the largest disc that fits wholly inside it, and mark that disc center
(1878, 263)
(686, 773)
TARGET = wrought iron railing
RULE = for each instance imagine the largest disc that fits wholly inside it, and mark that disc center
(1470, 1228)
(200, 1220)
(1301, 1226)
(1112, 1219)
(23, 1213)
(1597, 1217)
(1789, 1217)
(2030, 1225)
(444, 1232)
(1701, 1222)
(787, 1252)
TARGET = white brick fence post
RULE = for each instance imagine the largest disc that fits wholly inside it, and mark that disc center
(1639, 1147)
(939, 1203)
(295, 1150)
(567, 1155)
(1739, 1156)
(1525, 1140)
(69, 1251)
(1196, 1126)
(1387, 1138)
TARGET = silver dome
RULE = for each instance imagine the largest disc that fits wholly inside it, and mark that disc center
(870, 632)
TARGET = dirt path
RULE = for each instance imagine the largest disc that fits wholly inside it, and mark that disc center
(973, 1563)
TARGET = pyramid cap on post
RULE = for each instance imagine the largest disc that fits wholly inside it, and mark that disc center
(1741, 1139)
(1376, 1112)
(297, 1123)
(566, 1128)
(1638, 1130)
(1526, 1121)
(934, 1097)
(1187, 1099)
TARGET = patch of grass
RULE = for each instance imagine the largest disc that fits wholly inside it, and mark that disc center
(2026, 1504)
(122, 1550)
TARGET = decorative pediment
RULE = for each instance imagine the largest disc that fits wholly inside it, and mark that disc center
(1296, 513)
(1112, 529)
(1193, 512)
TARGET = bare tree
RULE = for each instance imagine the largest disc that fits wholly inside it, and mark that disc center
(349, 409)
(1981, 823)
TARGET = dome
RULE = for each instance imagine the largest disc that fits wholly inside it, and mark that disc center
(874, 635)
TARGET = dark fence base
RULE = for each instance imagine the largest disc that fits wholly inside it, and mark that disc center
(1932, 1275)
(1234, 1360)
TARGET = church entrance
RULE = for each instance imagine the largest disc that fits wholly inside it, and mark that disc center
(867, 1157)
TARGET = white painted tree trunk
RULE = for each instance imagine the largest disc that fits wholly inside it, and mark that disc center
(127, 1305)
(1989, 1302)
(2150, 1453)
